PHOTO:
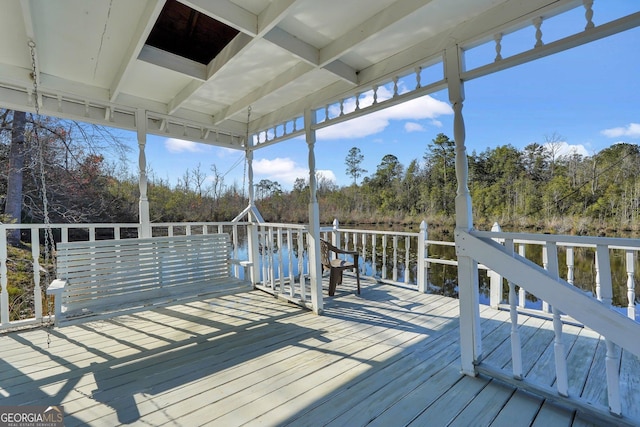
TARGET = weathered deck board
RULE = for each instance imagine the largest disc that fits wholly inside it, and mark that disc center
(388, 357)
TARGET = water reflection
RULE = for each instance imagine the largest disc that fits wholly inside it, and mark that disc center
(443, 279)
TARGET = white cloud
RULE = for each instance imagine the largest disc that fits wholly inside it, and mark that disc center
(282, 170)
(565, 149)
(174, 145)
(632, 130)
(413, 127)
(285, 171)
(326, 174)
(422, 108)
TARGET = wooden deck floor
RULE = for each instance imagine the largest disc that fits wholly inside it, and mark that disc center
(387, 358)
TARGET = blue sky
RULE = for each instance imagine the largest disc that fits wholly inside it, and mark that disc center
(588, 95)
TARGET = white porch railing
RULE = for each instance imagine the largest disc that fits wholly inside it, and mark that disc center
(623, 252)
(401, 258)
(281, 250)
(497, 250)
(283, 261)
(395, 257)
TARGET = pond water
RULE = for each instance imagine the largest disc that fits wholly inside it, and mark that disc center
(443, 278)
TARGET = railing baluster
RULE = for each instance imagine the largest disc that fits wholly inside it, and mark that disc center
(497, 38)
(64, 234)
(384, 256)
(264, 255)
(277, 273)
(395, 258)
(598, 287)
(292, 280)
(35, 255)
(4, 293)
(562, 381)
(516, 347)
(588, 14)
(612, 360)
(423, 278)
(545, 265)
(570, 265)
(495, 280)
(537, 23)
(374, 250)
(303, 286)
(407, 246)
(612, 363)
(363, 263)
(355, 242)
(631, 290)
(522, 293)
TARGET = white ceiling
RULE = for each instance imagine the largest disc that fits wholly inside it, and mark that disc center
(289, 55)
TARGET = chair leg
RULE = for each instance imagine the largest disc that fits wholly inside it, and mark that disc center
(333, 281)
(358, 279)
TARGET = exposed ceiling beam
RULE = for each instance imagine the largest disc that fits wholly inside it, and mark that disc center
(238, 44)
(228, 13)
(497, 19)
(304, 51)
(275, 84)
(327, 57)
(145, 25)
(272, 15)
(268, 19)
(310, 54)
(369, 28)
(174, 62)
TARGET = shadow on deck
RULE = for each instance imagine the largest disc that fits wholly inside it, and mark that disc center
(387, 357)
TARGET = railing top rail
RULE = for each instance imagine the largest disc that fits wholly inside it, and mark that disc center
(198, 223)
(75, 225)
(364, 231)
(284, 225)
(440, 242)
(115, 224)
(563, 240)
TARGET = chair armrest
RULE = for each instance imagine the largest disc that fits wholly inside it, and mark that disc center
(56, 287)
(341, 251)
(246, 266)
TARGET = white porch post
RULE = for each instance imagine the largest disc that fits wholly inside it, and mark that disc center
(143, 204)
(315, 269)
(470, 333)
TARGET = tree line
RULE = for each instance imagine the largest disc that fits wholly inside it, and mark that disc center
(534, 187)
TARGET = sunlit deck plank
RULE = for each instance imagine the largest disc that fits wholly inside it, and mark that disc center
(396, 393)
(387, 357)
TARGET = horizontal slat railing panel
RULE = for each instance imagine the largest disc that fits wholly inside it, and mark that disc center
(25, 309)
(121, 276)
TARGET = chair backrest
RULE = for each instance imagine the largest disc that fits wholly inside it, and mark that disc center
(325, 253)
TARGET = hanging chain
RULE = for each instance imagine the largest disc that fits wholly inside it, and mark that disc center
(48, 232)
